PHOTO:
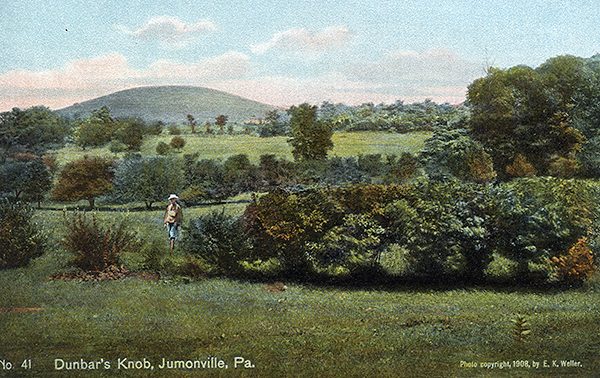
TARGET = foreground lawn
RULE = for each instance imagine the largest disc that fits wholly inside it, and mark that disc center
(300, 332)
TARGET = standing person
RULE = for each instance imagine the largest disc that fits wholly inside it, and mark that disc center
(173, 218)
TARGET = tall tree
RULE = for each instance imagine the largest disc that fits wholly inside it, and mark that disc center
(84, 179)
(191, 122)
(516, 114)
(29, 177)
(147, 179)
(98, 129)
(311, 138)
(131, 133)
(221, 121)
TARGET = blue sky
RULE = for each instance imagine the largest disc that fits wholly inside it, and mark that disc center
(59, 52)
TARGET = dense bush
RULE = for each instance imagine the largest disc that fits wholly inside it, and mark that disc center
(95, 247)
(20, 240)
(353, 247)
(577, 266)
(447, 230)
(162, 148)
(540, 218)
(282, 223)
(177, 142)
(217, 239)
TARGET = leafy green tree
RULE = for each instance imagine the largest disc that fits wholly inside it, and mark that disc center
(204, 179)
(32, 130)
(452, 152)
(274, 125)
(131, 133)
(524, 111)
(84, 179)
(147, 179)
(98, 129)
(310, 137)
(155, 128)
(177, 142)
(30, 178)
(192, 122)
(221, 121)
(162, 148)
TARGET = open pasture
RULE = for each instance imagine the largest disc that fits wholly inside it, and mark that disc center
(223, 146)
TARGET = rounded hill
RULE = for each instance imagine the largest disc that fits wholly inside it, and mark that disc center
(172, 104)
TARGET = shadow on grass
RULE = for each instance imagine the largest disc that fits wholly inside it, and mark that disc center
(379, 280)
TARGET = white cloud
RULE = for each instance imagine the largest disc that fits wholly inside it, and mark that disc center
(89, 78)
(302, 40)
(81, 73)
(400, 75)
(170, 31)
(230, 64)
(432, 66)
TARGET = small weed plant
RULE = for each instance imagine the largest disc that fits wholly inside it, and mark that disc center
(521, 329)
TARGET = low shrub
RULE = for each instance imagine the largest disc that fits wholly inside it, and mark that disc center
(20, 240)
(96, 248)
(218, 239)
(177, 142)
(577, 266)
(162, 148)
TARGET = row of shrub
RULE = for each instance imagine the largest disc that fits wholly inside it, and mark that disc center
(534, 229)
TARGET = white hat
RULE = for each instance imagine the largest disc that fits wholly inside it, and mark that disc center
(173, 196)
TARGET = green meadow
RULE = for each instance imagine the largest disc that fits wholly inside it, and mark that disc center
(223, 146)
(303, 331)
(172, 326)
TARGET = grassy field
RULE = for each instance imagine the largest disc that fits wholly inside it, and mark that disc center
(300, 332)
(224, 146)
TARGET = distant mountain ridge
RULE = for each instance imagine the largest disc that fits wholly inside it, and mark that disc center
(172, 104)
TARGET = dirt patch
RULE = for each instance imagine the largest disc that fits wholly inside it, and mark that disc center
(109, 274)
(146, 276)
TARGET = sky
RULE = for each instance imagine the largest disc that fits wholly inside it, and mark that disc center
(59, 52)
